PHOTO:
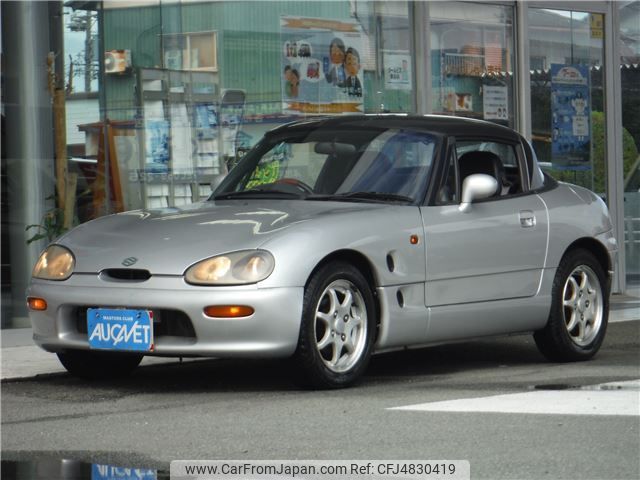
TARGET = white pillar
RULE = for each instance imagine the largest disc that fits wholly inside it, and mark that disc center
(615, 174)
(522, 72)
(422, 56)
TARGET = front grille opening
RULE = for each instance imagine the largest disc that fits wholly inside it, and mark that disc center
(170, 323)
(125, 274)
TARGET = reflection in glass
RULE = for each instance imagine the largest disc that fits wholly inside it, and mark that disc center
(69, 469)
(472, 61)
(567, 96)
(630, 79)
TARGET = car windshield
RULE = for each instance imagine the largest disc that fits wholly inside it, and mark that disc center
(349, 164)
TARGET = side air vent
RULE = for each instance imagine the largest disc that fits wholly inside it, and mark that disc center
(125, 275)
(400, 298)
(391, 264)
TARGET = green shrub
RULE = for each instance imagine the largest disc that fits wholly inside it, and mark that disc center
(595, 179)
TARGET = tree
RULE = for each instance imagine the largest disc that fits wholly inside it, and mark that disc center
(598, 144)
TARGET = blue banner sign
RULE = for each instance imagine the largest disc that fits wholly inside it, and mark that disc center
(570, 117)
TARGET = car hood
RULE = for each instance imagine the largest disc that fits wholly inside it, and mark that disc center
(168, 241)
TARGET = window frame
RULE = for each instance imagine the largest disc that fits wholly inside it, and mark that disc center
(452, 144)
(450, 156)
(187, 37)
(242, 173)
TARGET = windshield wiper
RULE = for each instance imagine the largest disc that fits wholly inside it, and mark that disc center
(381, 197)
(257, 193)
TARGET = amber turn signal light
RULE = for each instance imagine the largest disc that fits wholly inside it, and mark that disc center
(228, 311)
(414, 239)
(35, 303)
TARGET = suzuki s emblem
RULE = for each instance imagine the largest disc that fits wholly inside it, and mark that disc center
(127, 262)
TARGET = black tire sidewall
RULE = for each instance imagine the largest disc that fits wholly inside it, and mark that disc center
(563, 347)
(311, 368)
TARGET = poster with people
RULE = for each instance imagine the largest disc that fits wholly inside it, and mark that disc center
(321, 66)
(570, 117)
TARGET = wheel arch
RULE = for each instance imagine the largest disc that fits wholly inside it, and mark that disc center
(362, 263)
(598, 250)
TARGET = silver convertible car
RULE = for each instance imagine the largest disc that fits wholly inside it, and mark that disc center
(332, 239)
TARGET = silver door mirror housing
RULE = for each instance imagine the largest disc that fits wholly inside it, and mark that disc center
(476, 187)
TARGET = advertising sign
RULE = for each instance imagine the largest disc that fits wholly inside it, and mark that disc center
(157, 145)
(570, 117)
(596, 24)
(119, 329)
(321, 66)
(397, 70)
(495, 103)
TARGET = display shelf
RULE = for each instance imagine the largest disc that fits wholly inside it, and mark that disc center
(179, 147)
(463, 64)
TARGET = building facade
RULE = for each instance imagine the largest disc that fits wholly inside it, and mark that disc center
(117, 105)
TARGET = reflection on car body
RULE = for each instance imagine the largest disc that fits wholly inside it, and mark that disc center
(48, 468)
(332, 239)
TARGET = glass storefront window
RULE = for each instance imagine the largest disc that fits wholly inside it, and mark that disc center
(207, 79)
(472, 61)
(82, 79)
(81, 50)
(567, 96)
(162, 97)
(630, 93)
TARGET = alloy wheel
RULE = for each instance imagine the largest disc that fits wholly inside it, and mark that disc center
(341, 325)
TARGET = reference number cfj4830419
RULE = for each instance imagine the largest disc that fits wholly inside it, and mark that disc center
(423, 469)
(321, 470)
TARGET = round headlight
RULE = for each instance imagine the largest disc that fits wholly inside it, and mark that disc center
(237, 268)
(211, 270)
(55, 263)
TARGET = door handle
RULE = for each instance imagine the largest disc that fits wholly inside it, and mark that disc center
(527, 219)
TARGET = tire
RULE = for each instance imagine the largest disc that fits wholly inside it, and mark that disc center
(99, 365)
(579, 310)
(338, 328)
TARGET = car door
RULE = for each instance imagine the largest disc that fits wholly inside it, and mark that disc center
(495, 251)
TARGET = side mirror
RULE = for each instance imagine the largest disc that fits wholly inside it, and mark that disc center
(476, 187)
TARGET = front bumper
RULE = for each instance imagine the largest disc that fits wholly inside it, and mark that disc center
(272, 331)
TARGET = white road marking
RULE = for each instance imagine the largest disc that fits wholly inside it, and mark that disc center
(617, 398)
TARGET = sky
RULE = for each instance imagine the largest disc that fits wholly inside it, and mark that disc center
(74, 44)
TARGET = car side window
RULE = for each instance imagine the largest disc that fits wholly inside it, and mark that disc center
(497, 159)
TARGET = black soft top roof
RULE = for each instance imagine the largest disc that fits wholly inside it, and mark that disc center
(446, 125)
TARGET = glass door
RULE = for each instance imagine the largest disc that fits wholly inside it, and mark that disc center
(629, 41)
(566, 49)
